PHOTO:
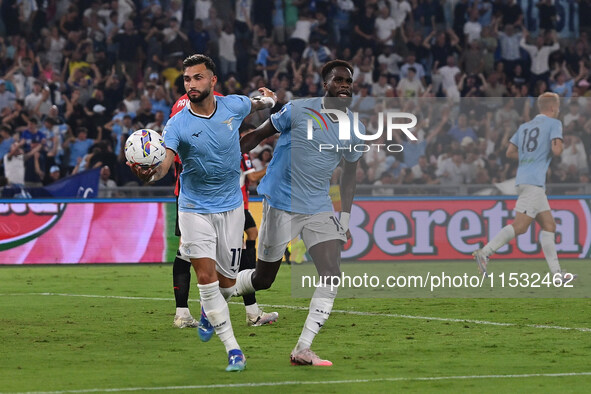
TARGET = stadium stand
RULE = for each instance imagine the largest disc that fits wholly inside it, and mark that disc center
(77, 76)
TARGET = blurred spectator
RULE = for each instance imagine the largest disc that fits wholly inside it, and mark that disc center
(364, 28)
(363, 103)
(198, 37)
(389, 62)
(317, 53)
(107, 186)
(263, 159)
(509, 42)
(385, 26)
(472, 28)
(301, 35)
(120, 127)
(278, 33)
(38, 101)
(562, 83)
(546, 15)
(78, 147)
(31, 137)
(572, 115)
(386, 179)
(441, 45)
(158, 124)
(400, 10)
(462, 130)
(507, 113)
(453, 171)
(447, 78)
(7, 98)
(226, 51)
(473, 59)
(414, 149)
(539, 55)
(33, 143)
(379, 88)
(410, 85)
(53, 175)
(423, 172)
(411, 63)
(6, 143)
(21, 76)
(574, 157)
(342, 22)
(512, 13)
(129, 48)
(460, 16)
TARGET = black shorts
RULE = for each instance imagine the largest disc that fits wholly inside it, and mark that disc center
(248, 220)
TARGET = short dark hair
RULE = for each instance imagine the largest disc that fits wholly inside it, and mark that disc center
(6, 128)
(328, 67)
(197, 59)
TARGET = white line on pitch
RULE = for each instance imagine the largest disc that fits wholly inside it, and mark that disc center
(358, 313)
(301, 383)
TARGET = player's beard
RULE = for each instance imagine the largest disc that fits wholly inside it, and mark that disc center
(204, 94)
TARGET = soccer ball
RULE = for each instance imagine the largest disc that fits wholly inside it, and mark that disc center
(145, 148)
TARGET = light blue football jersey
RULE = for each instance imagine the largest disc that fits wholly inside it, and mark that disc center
(298, 176)
(533, 140)
(209, 148)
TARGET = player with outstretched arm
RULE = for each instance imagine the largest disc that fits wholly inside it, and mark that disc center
(181, 267)
(296, 197)
(534, 144)
(211, 213)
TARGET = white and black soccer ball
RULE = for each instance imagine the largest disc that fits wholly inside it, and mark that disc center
(145, 148)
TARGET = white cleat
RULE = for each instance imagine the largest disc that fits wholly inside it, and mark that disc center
(482, 262)
(261, 318)
(564, 278)
(308, 357)
(185, 321)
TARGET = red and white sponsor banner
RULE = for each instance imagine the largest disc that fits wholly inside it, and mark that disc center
(433, 229)
(50, 233)
(382, 230)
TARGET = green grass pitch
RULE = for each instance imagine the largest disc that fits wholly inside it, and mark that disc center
(109, 329)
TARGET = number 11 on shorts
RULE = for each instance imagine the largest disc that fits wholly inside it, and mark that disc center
(236, 253)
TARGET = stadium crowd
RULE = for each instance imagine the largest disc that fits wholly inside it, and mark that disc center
(78, 76)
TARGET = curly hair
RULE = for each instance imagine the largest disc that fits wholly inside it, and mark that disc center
(328, 67)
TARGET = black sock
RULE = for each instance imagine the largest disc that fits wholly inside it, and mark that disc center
(251, 253)
(181, 281)
(247, 261)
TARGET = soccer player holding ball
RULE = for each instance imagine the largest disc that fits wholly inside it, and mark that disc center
(181, 267)
(211, 214)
